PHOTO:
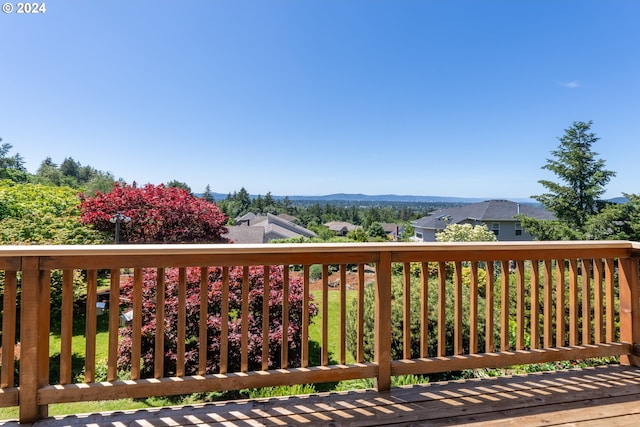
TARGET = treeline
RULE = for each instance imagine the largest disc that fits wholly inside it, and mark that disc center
(87, 179)
(308, 213)
(69, 173)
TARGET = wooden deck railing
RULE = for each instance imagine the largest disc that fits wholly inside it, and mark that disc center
(478, 305)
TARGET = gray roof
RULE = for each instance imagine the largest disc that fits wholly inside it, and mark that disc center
(245, 234)
(490, 210)
(337, 226)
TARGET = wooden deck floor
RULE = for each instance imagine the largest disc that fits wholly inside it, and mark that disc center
(604, 396)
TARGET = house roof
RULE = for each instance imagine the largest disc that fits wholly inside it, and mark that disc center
(337, 226)
(274, 224)
(490, 210)
(245, 234)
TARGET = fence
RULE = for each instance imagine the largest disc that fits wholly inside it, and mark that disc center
(461, 305)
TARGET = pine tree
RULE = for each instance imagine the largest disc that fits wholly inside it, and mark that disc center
(582, 180)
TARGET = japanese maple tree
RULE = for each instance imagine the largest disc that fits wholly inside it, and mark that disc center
(156, 214)
(214, 319)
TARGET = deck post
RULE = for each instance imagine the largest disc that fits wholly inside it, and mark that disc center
(382, 352)
(32, 362)
(629, 308)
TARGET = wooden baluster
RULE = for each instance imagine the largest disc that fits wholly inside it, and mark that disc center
(224, 323)
(266, 291)
(424, 310)
(203, 322)
(182, 321)
(442, 301)
(504, 306)
(457, 308)
(629, 308)
(91, 326)
(548, 304)
(136, 335)
(305, 316)
(406, 314)
(66, 327)
(534, 315)
(114, 324)
(325, 316)
(489, 341)
(244, 339)
(586, 302)
(284, 356)
(560, 304)
(520, 320)
(158, 362)
(473, 309)
(343, 313)
(360, 334)
(573, 302)
(598, 302)
(610, 297)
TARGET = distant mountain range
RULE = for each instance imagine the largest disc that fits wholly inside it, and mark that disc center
(350, 197)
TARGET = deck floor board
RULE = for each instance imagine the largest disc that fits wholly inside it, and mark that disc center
(579, 397)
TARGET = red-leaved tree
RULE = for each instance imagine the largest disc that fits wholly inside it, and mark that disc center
(155, 214)
(214, 320)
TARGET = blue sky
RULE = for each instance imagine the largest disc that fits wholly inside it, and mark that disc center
(301, 97)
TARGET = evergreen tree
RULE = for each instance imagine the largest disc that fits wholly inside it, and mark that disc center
(582, 180)
(207, 195)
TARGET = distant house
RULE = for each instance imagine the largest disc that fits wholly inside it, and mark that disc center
(500, 216)
(273, 226)
(245, 234)
(341, 228)
(393, 230)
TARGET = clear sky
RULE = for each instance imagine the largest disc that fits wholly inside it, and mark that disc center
(312, 97)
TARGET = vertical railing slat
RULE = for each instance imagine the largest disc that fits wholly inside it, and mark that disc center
(442, 301)
(324, 348)
(504, 305)
(489, 341)
(266, 291)
(204, 320)
(224, 323)
(305, 316)
(114, 324)
(182, 322)
(91, 326)
(548, 304)
(598, 302)
(360, 334)
(586, 301)
(573, 301)
(473, 309)
(457, 309)
(284, 357)
(534, 315)
(158, 363)
(424, 310)
(136, 334)
(560, 303)
(66, 327)
(406, 311)
(244, 338)
(610, 297)
(343, 314)
(520, 321)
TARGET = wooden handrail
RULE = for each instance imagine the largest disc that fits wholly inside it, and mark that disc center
(559, 299)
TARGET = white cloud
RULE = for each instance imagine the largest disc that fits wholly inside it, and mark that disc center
(571, 85)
